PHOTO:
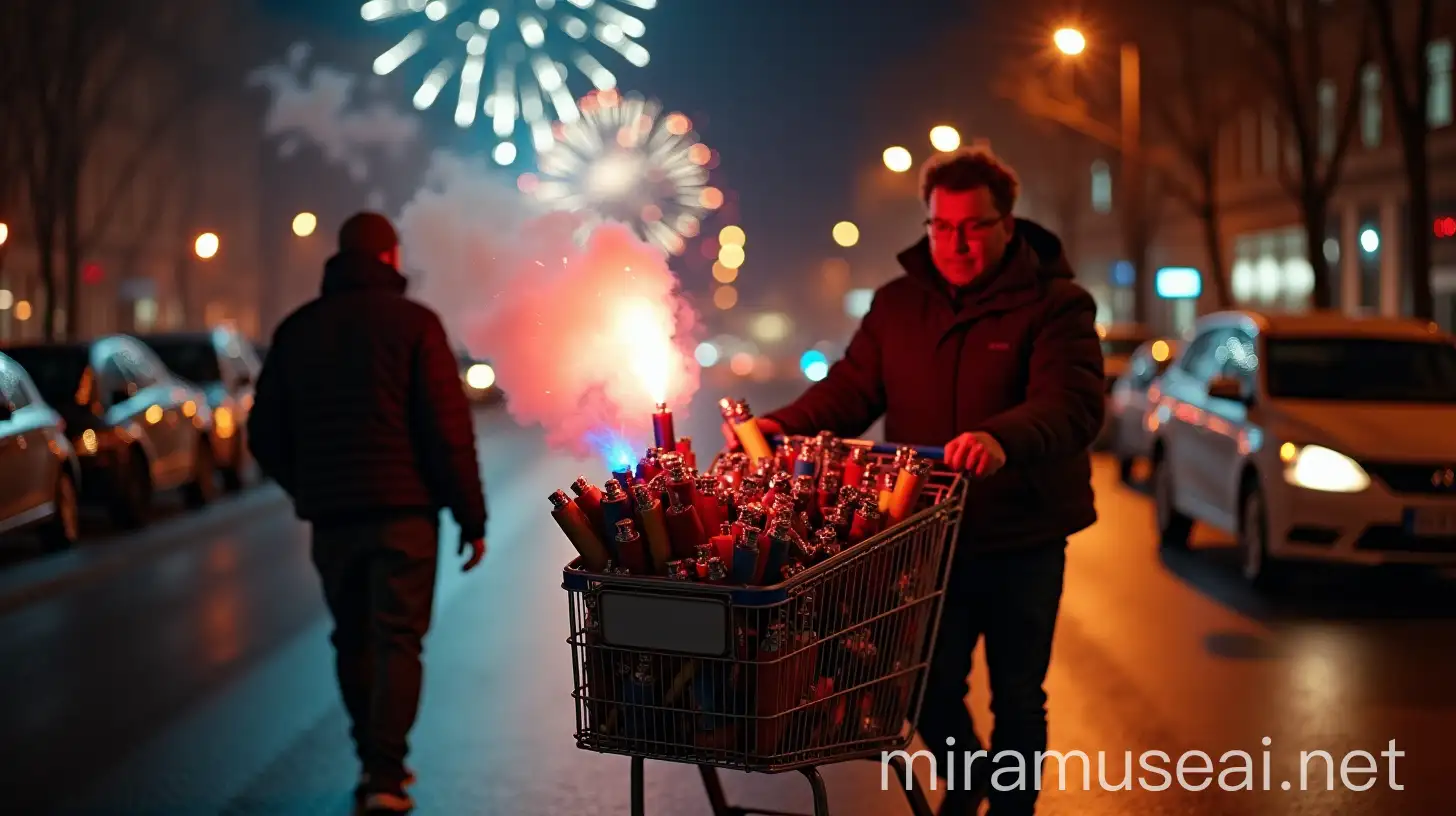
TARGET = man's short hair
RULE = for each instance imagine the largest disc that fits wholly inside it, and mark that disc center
(368, 232)
(967, 169)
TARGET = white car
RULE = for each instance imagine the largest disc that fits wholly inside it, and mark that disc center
(1132, 400)
(1311, 437)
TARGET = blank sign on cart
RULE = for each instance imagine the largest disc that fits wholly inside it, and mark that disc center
(665, 623)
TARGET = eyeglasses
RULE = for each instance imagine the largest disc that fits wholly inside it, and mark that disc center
(945, 230)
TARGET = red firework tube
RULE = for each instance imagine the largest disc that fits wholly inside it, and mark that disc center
(654, 528)
(866, 523)
(631, 549)
(723, 543)
(705, 500)
(684, 528)
(855, 467)
(752, 515)
(589, 499)
(685, 447)
(662, 430)
(580, 532)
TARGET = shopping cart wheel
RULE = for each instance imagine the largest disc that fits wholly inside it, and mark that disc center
(919, 805)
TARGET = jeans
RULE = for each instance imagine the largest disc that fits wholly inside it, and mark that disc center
(1012, 599)
(379, 582)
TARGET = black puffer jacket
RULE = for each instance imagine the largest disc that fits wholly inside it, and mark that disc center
(359, 410)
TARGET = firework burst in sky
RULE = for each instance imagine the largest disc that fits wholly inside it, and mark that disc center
(624, 159)
(515, 59)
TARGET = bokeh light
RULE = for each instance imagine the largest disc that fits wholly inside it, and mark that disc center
(725, 298)
(846, 234)
(732, 235)
(770, 327)
(944, 138)
(22, 311)
(206, 245)
(706, 354)
(678, 124)
(711, 197)
(898, 159)
(7, 299)
(731, 256)
(836, 273)
(304, 224)
(700, 154)
(741, 364)
(528, 183)
(504, 153)
(724, 274)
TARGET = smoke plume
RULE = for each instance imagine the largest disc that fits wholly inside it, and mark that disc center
(319, 107)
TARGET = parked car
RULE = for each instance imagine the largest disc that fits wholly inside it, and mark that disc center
(137, 428)
(1119, 341)
(225, 365)
(1311, 437)
(1129, 437)
(39, 473)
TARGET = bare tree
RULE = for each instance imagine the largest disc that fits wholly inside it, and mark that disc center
(1410, 84)
(78, 68)
(1295, 45)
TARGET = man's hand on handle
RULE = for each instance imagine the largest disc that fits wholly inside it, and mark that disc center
(769, 427)
(477, 553)
(975, 452)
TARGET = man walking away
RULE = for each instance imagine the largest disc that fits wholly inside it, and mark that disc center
(360, 417)
(987, 346)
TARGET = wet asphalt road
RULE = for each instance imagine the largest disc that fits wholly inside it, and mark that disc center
(185, 670)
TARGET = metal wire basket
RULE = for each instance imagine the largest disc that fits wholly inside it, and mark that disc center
(825, 667)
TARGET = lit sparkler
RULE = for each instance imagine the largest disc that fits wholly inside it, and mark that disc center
(623, 160)
(522, 54)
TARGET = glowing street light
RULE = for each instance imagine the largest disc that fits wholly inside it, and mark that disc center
(898, 159)
(731, 256)
(4, 232)
(1069, 41)
(732, 236)
(304, 224)
(944, 138)
(846, 234)
(206, 245)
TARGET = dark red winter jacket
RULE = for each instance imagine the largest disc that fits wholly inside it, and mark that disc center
(359, 411)
(1015, 354)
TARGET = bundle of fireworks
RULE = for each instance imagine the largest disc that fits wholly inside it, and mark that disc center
(825, 666)
(754, 518)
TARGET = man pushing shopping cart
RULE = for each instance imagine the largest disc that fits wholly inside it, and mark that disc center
(987, 347)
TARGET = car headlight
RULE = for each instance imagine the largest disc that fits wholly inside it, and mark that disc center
(1318, 468)
(480, 376)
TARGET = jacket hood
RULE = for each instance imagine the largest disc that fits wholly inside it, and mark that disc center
(1032, 245)
(356, 272)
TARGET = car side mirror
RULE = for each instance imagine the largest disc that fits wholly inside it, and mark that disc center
(1227, 388)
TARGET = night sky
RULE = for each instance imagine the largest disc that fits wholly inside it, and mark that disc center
(790, 92)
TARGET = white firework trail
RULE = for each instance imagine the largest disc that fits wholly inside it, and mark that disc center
(622, 160)
(521, 55)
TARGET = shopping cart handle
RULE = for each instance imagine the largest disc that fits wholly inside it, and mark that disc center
(934, 452)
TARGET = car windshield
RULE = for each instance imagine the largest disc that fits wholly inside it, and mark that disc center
(1120, 346)
(1360, 370)
(190, 359)
(55, 370)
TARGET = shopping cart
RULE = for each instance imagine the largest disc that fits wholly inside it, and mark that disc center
(825, 667)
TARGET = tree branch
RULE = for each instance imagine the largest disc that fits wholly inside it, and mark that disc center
(1349, 118)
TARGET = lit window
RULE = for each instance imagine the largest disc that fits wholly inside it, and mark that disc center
(1371, 107)
(1439, 101)
(1327, 117)
(1101, 187)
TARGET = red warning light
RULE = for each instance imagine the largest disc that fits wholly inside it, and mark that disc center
(91, 274)
(1446, 227)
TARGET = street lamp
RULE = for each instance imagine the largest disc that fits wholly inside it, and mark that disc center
(1070, 41)
(206, 245)
(4, 233)
(1129, 141)
(944, 138)
(304, 224)
(898, 159)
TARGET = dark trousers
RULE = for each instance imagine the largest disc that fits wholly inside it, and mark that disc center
(379, 581)
(1011, 598)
